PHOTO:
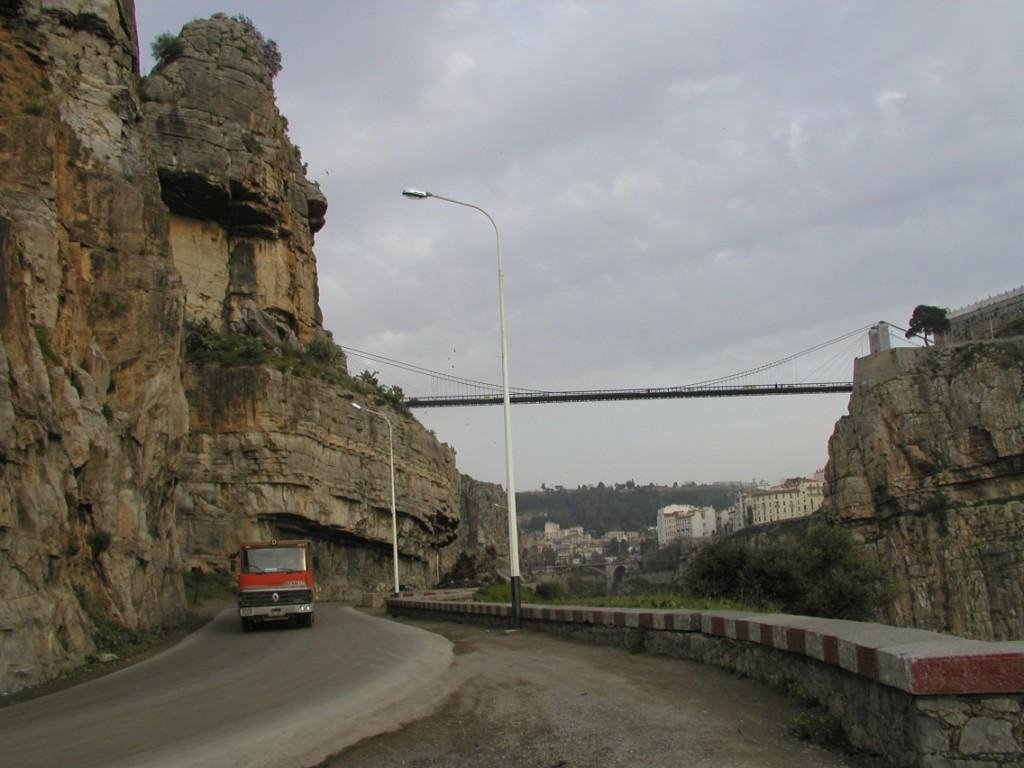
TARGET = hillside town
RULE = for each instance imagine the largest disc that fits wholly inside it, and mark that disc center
(754, 505)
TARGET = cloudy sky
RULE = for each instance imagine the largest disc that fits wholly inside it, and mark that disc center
(684, 190)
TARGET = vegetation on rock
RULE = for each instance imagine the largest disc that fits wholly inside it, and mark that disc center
(269, 52)
(167, 47)
(321, 359)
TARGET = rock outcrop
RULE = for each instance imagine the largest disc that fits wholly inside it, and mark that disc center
(92, 419)
(277, 455)
(277, 452)
(928, 468)
(479, 554)
(243, 212)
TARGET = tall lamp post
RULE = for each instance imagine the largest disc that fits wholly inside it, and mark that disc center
(513, 532)
(394, 514)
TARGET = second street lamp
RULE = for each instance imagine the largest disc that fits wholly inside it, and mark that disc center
(394, 514)
(513, 530)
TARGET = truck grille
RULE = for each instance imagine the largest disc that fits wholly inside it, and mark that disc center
(254, 598)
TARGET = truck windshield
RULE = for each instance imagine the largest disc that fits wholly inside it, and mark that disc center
(275, 559)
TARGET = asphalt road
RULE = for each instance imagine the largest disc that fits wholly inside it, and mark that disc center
(277, 697)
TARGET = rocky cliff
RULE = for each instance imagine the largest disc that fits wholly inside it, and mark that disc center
(928, 468)
(92, 419)
(166, 386)
(276, 449)
(243, 213)
(481, 545)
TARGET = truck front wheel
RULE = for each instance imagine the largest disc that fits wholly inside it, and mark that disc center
(248, 625)
(306, 620)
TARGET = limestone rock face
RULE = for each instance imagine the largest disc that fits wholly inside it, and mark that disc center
(928, 467)
(479, 555)
(244, 212)
(92, 419)
(276, 455)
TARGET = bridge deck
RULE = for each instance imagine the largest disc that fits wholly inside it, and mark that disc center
(663, 393)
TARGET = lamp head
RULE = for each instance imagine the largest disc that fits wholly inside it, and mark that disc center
(357, 406)
(416, 194)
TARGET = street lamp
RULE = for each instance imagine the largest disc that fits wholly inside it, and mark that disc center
(394, 514)
(513, 532)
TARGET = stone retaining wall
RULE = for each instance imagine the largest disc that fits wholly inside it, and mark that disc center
(921, 699)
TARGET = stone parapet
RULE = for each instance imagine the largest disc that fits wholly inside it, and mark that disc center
(917, 697)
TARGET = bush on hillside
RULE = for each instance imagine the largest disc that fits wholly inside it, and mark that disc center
(825, 573)
(167, 47)
(269, 51)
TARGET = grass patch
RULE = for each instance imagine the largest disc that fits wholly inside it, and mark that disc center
(501, 593)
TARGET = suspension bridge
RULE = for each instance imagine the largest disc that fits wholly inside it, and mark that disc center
(452, 391)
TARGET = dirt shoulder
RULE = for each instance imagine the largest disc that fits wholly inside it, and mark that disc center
(524, 699)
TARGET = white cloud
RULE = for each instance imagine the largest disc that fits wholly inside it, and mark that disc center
(683, 189)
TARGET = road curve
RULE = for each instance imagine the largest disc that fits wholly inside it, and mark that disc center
(279, 697)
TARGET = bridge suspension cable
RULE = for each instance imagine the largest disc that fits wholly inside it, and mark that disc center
(469, 391)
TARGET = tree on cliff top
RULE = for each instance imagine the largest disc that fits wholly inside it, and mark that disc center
(927, 321)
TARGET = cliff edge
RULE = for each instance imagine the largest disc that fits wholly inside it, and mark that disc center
(92, 418)
(928, 468)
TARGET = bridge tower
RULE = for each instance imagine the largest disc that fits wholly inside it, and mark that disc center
(878, 338)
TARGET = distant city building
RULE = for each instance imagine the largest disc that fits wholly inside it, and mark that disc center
(796, 497)
(685, 521)
(573, 545)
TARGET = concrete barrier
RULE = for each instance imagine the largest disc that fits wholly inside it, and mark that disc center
(921, 699)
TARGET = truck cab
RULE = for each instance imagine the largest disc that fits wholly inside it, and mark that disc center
(275, 583)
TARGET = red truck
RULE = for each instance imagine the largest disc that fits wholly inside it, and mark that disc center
(275, 583)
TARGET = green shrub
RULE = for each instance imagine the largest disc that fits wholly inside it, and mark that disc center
(270, 54)
(843, 580)
(717, 569)
(549, 590)
(34, 107)
(324, 350)
(167, 47)
(825, 573)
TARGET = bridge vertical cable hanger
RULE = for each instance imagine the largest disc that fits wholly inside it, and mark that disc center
(476, 392)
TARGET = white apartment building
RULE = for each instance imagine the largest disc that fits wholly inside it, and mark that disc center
(685, 521)
(796, 497)
(669, 520)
